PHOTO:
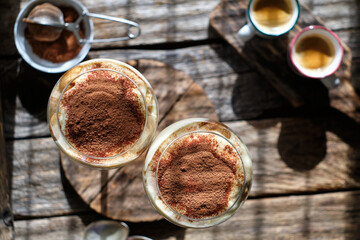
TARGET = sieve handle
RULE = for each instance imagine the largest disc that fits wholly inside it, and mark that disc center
(130, 24)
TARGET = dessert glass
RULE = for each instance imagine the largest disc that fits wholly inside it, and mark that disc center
(171, 139)
(141, 90)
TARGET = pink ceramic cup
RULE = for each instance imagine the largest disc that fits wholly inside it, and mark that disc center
(331, 38)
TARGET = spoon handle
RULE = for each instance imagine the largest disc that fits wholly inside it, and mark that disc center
(54, 25)
(131, 25)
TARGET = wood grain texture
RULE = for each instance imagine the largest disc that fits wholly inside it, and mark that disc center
(337, 15)
(160, 21)
(122, 195)
(38, 185)
(301, 155)
(179, 21)
(8, 12)
(320, 216)
(6, 218)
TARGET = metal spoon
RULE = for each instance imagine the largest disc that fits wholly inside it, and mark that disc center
(46, 15)
(105, 229)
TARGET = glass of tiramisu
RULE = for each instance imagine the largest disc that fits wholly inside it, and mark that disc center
(197, 173)
(103, 113)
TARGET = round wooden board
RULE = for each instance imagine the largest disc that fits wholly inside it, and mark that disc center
(119, 193)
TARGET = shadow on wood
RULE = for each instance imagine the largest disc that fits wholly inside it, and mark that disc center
(34, 88)
(302, 143)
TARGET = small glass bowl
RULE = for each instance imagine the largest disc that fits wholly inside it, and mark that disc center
(148, 99)
(174, 135)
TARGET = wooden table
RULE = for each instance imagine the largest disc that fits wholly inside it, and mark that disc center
(306, 160)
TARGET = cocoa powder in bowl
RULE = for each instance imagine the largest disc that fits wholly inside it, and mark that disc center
(104, 113)
(66, 47)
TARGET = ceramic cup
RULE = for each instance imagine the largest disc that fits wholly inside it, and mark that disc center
(269, 18)
(315, 52)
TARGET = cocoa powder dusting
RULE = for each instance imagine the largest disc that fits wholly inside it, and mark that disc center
(66, 47)
(104, 116)
(195, 180)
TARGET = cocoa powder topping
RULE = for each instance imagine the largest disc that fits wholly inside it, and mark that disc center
(104, 115)
(195, 180)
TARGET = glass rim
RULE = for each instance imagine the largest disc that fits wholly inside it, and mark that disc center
(239, 194)
(277, 34)
(66, 139)
(308, 30)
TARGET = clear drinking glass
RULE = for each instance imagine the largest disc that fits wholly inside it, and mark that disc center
(190, 136)
(75, 81)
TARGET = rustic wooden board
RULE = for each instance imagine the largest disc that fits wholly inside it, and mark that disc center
(6, 218)
(269, 58)
(320, 216)
(121, 196)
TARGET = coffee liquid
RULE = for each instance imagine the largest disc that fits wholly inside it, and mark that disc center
(314, 52)
(272, 13)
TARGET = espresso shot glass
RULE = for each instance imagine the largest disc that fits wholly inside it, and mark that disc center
(316, 52)
(269, 19)
(197, 173)
(102, 113)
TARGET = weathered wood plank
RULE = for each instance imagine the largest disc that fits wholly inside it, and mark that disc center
(289, 156)
(320, 216)
(301, 155)
(6, 218)
(178, 21)
(183, 20)
(38, 184)
(8, 12)
(160, 21)
(352, 38)
(355, 80)
(336, 14)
